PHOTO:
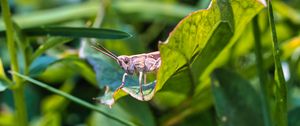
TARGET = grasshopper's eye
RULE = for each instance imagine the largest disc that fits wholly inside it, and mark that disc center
(126, 61)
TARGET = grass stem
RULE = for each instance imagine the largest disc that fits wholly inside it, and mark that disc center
(18, 90)
(72, 98)
(264, 84)
(281, 92)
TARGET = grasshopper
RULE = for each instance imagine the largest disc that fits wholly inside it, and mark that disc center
(140, 64)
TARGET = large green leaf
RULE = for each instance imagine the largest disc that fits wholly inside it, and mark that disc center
(197, 41)
(236, 101)
(197, 45)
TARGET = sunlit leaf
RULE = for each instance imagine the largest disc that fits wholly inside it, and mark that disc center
(198, 40)
(195, 47)
(236, 101)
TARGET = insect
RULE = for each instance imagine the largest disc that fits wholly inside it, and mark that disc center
(140, 64)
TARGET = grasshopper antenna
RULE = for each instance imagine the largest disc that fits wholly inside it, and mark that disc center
(106, 52)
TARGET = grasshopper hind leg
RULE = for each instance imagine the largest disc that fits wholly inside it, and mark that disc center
(141, 86)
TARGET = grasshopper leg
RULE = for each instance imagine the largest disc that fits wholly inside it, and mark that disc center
(123, 81)
(140, 83)
(145, 79)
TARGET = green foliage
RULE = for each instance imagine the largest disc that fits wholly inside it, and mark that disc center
(235, 96)
(217, 67)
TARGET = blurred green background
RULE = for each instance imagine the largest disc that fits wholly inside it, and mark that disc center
(149, 21)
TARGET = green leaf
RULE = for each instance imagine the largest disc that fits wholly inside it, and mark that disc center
(197, 41)
(77, 32)
(236, 101)
(198, 44)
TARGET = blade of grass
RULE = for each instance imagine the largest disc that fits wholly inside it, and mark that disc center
(51, 42)
(264, 85)
(75, 32)
(18, 91)
(56, 15)
(281, 93)
(72, 98)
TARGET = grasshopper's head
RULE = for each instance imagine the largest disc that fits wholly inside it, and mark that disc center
(125, 63)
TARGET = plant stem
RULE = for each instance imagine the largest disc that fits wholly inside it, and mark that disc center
(281, 93)
(18, 90)
(20, 106)
(264, 85)
(72, 98)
